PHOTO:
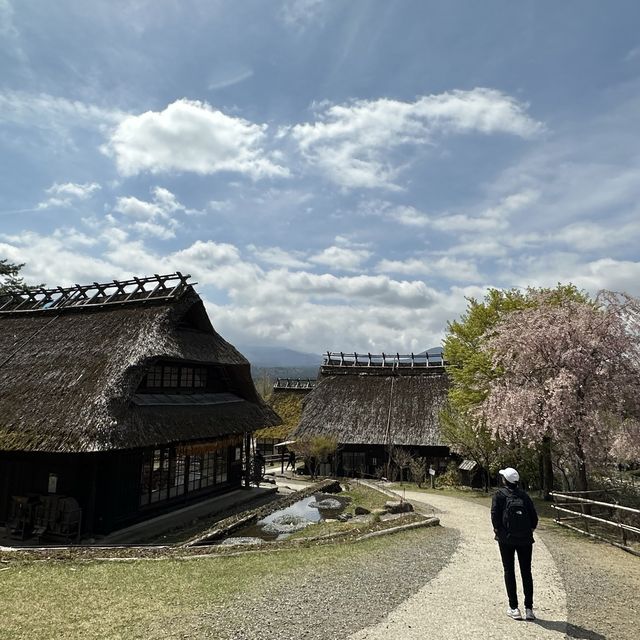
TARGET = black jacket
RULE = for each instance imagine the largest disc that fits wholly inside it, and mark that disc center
(497, 509)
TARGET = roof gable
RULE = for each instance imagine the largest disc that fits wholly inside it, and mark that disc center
(68, 374)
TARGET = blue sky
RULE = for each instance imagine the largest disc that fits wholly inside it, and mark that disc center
(335, 174)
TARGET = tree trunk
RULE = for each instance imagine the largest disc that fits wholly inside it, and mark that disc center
(582, 482)
(547, 468)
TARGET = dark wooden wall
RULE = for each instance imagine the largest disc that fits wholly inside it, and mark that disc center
(106, 485)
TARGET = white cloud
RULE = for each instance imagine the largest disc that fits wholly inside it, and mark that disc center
(132, 206)
(494, 218)
(441, 266)
(350, 143)
(207, 255)
(218, 205)
(166, 200)
(154, 218)
(590, 236)
(340, 257)
(279, 257)
(65, 194)
(404, 307)
(42, 110)
(300, 13)
(154, 229)
(191, 136)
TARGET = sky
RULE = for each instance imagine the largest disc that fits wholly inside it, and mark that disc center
(334, 174)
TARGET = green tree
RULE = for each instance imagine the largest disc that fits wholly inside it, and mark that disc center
(10, 279)
(315, 450)
(471, 372)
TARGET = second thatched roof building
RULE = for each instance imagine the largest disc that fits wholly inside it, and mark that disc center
(379, 409)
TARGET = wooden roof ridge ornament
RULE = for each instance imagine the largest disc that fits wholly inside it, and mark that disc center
(294, 383)
(117, 292)
(394, 362)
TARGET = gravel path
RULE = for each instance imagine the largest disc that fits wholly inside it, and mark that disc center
(467, 599)
(332, 602)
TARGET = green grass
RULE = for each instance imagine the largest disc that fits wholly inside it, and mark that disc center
(167, 598)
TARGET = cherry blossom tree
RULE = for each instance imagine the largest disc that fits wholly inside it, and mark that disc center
(471, 371)
(569, 370)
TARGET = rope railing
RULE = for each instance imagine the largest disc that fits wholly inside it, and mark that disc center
(393, 360)
(156, 287)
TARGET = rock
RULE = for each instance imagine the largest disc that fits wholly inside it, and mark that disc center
(361, 511)
(286, 524)
(326, 503)
(343, 517)
(330, 486)
(398, 506)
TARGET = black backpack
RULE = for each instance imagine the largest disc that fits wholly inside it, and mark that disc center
(515, 517)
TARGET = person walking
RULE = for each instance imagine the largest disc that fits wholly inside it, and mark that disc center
(291, 462)
(514, 518)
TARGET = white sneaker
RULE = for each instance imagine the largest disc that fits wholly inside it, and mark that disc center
(529, 615)
(514, 613)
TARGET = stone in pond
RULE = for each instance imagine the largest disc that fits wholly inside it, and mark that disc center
(286, 523)
(326, 503)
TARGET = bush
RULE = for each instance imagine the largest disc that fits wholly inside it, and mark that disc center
(451, 477)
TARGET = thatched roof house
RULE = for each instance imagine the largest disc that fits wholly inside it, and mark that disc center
(122, 388)
(286, 399)
(373, 404)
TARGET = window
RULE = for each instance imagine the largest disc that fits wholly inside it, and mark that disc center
(145, 478)
(176, 473)
(221, 466)
(195, 473)
(208, 470)
(168, 473)
(186, 377)
(199, 377)
(154, 377)
(170, 377)
(164, 376)
(159, 475)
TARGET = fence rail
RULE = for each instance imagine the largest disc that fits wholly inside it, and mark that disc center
(566, 506)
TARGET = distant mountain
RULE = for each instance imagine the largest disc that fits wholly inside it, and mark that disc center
(279, 357)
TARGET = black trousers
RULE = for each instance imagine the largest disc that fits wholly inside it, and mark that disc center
(507, 552)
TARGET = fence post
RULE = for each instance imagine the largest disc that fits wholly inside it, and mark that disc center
(584, 520)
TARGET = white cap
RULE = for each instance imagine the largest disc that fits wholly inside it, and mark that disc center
(510, 474)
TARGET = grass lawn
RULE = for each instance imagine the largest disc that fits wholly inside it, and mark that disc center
(166, 598)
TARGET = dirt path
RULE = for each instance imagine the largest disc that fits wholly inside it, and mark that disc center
(467, 598)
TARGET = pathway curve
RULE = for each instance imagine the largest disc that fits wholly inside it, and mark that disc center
(467, 599)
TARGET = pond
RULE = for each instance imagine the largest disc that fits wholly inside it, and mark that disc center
(280, 524)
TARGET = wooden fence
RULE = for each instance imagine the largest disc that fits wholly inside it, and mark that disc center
(598, 518)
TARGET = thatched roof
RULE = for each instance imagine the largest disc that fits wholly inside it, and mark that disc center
(375, 409)
(68, 376)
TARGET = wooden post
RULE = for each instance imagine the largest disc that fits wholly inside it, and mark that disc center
(247, 459)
